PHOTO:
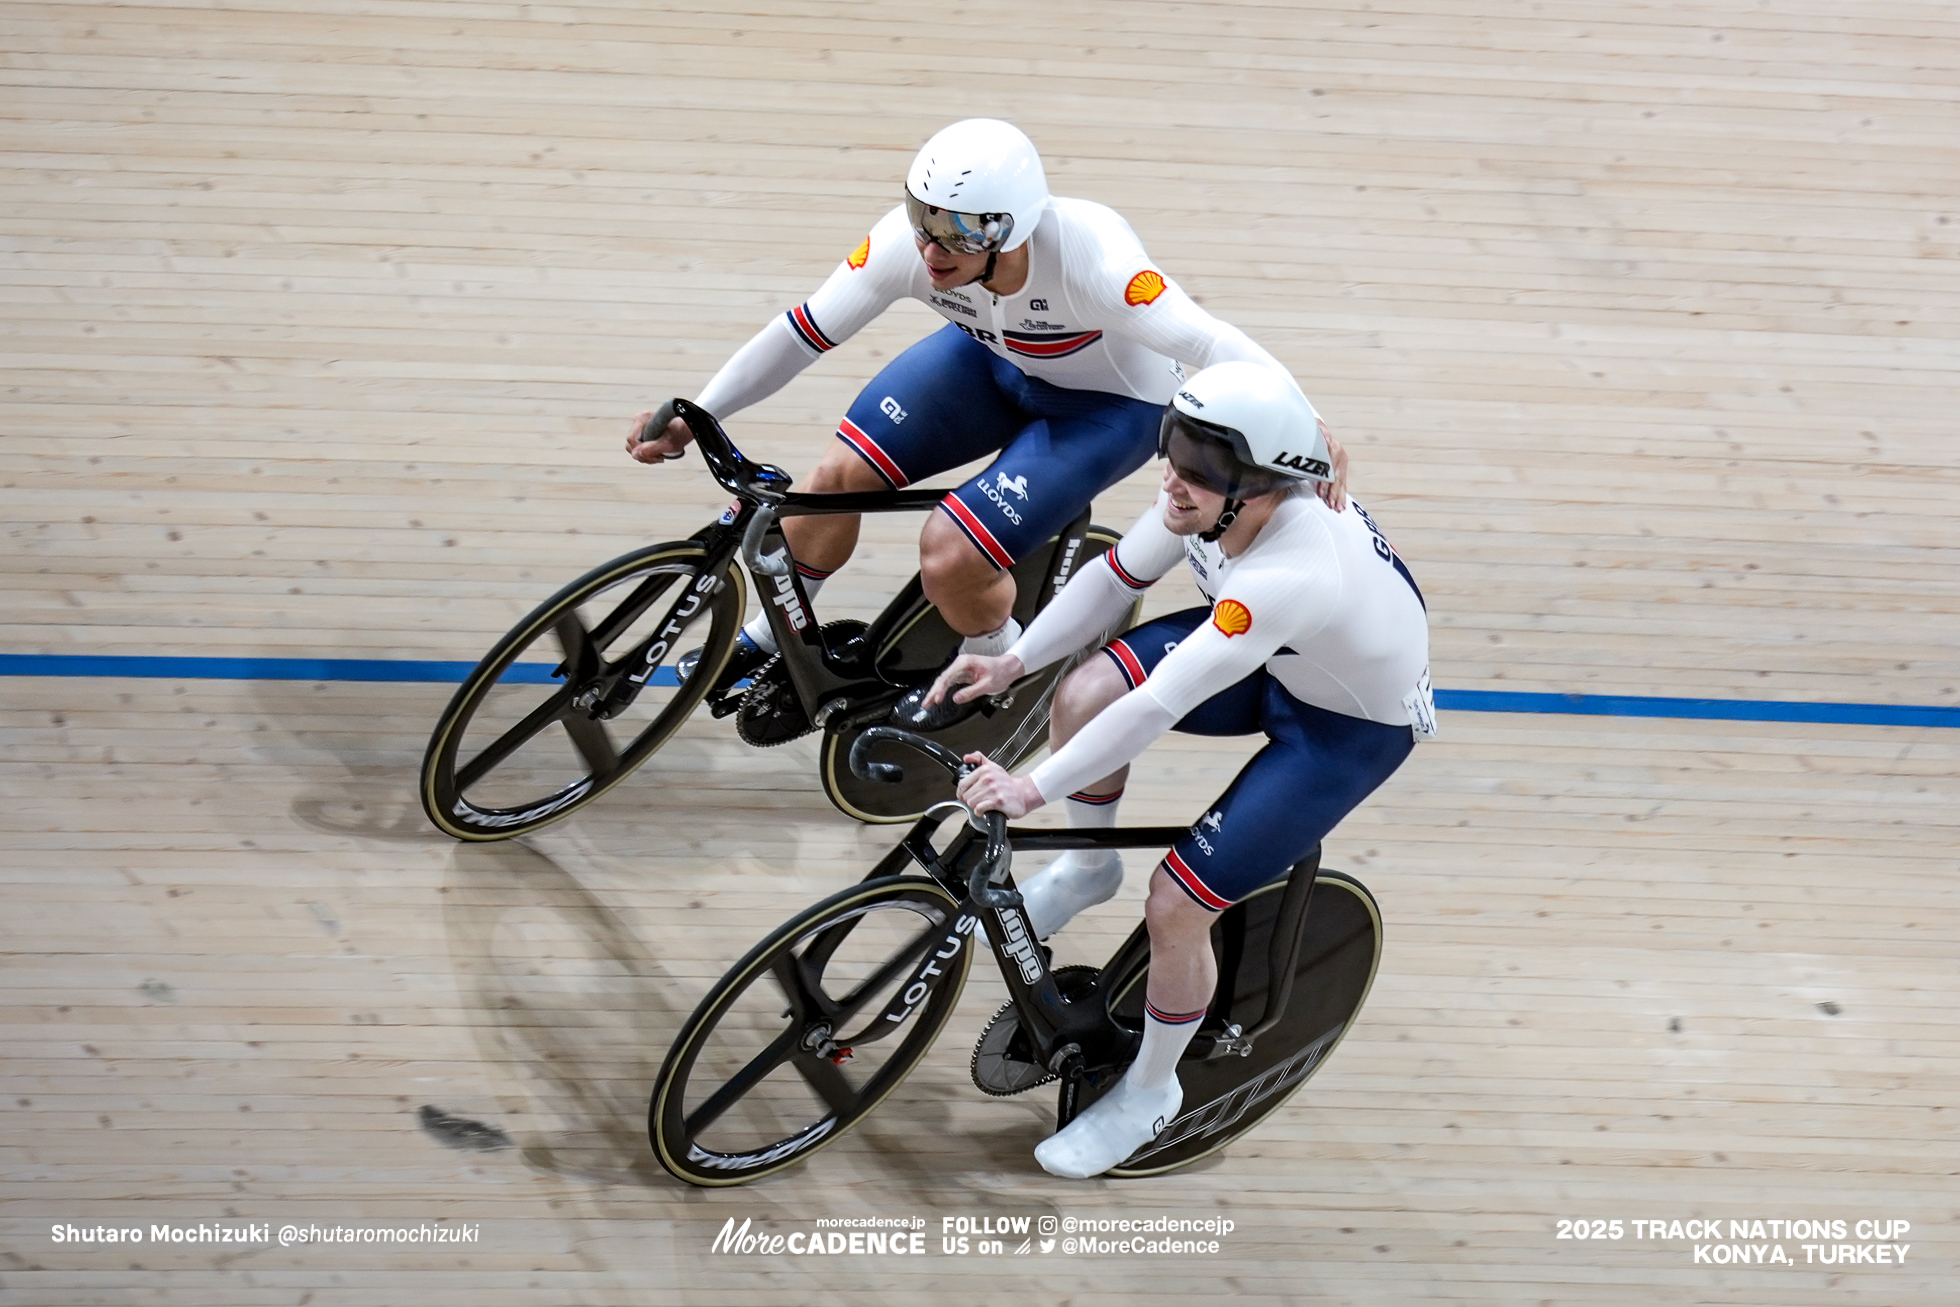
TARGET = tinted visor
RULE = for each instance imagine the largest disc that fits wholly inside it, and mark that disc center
(955, 232)
(1204, 455)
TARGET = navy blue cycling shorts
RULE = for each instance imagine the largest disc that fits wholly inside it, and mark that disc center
(1316, 766)
(949, 400)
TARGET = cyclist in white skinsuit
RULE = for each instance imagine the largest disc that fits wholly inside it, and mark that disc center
(1094, 312)
(1067, 343)
(1313, 633)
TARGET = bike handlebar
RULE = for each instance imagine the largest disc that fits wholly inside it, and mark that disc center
(737, 474)
(994, 824)
(890, 772)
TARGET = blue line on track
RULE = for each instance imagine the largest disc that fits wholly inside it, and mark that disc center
(273, 669)
(1499, 701)
(1730, 710)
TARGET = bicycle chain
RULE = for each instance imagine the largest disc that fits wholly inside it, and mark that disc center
(769, 714)
(1076, 984)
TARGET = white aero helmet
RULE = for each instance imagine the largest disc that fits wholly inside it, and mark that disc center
(976, 188)
(1243, 429)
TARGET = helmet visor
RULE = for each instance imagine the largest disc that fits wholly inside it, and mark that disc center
(955, 232)
(1206, 456)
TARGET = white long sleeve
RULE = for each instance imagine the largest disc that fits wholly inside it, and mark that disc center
(1098, 595)
(756, 371)
(1112, 739)
(1087, 605)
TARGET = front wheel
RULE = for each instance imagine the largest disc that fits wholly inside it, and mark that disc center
(580, 692)
(808, 1033)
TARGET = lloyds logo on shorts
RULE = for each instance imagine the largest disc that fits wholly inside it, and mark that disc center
(992, 490)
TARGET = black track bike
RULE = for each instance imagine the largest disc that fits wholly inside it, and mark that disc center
(822, 1020)
(591, 683)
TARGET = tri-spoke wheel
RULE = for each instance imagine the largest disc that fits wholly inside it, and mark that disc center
(809, 1032)
(581, 692)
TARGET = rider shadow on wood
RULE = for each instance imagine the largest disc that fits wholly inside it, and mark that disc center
(570, 1005)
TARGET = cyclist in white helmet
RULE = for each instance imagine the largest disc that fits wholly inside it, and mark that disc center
(1313, 633)
(1063, 343)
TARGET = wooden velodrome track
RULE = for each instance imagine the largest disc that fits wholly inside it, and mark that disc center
(323, 324)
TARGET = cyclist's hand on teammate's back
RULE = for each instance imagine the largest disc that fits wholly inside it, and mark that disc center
(657, 447)
(1335, 491)
(990, 787)
(978, 675)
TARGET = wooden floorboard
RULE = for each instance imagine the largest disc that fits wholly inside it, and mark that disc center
(322, 324)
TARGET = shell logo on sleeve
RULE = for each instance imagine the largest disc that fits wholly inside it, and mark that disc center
(856, 258)
(1145, 287)
(1232, 617)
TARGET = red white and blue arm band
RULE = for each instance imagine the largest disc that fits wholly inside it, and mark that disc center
(1092, 601)
(804, 324)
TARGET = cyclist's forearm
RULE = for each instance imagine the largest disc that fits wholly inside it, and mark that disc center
(1111, 740)
(1092, 600)
(758, 370)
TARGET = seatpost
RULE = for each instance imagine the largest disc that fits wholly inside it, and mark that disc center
(1283, 949)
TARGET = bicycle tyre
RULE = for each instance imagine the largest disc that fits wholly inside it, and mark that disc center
(716, 1034)
(1009, 736)
(661, 577)
(1224, 1098)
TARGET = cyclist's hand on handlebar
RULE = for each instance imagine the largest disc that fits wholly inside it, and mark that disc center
(1335, 491)
(990, 787)
(972, 675)
(657, 446)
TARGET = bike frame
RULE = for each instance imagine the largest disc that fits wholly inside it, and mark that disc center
(1069, 1039)
(826, 680)
(763, 496)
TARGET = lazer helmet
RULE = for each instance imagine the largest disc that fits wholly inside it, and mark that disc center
(1242, 430)
(976, 188)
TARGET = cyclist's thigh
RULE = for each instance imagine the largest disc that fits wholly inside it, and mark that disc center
(933, 407)
(1085, 442)
(1316, 767)
(1234, 710)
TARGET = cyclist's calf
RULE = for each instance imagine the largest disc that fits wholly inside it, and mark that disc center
(1085, 692)
(1183, 970)
(969, 592)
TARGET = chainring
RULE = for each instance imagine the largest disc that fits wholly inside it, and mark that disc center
(770, 713)
(1003, 1060)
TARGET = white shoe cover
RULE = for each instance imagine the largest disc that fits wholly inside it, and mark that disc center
(1080, 878)
(1114, 1126)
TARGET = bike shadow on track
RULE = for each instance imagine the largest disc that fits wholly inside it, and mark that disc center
(352, 751)
(571, 1010)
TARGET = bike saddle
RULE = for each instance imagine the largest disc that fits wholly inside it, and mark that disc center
(911, 712)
